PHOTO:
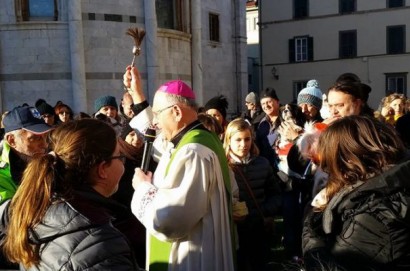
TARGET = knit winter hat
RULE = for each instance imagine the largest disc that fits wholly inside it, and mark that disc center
(311, 94)
(44, 108)
(105, 101)
(219, 103)
(252, 98)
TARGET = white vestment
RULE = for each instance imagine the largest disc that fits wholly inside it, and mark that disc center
(188, 207)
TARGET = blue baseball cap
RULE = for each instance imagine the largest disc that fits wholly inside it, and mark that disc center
(27, 118)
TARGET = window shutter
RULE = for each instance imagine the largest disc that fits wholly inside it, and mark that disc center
(292, 50)
(24, 10)
(310, 48)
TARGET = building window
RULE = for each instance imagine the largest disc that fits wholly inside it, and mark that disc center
(347, 6)
(39, 10)
(301, 49)
(297, 87)
(255, 23)
(214, 27)
(252, 24)
(170, 14)
(395, 3)
(112, 17)
(300, 9)
(347, 44)
(396, 83)
(301, 52)
(396, 39)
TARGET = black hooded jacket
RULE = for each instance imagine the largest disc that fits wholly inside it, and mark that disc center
(365, 227)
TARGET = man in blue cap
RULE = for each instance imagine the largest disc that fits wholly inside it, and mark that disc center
(25, 137)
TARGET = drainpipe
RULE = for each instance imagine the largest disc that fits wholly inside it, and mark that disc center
(261, 87)
(196, 57)
(237, 56)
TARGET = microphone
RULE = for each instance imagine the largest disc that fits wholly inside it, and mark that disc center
(149, 138)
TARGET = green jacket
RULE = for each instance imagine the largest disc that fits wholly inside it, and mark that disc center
(7, 185)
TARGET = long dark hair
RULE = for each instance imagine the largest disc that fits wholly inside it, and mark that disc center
(78, 146)
(356, 148)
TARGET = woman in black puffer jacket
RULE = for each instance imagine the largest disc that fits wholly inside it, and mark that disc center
(60, 217)
(361, 219)
(258, 188)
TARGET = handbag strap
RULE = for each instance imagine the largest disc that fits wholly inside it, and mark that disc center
(250, 192)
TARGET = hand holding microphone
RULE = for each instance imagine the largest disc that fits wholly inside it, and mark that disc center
(149, 138)
(142, 174)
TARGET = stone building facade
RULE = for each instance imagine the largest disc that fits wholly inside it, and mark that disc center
(314, 39)
(76, 51)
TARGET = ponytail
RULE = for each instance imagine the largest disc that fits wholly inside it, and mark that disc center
(78, 146)
(27, 208)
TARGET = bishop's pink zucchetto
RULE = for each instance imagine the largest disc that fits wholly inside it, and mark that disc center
(177, 87)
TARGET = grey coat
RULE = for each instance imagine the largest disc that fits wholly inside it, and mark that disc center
(78, 235)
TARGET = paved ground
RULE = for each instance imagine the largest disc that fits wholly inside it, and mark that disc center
(278, 261)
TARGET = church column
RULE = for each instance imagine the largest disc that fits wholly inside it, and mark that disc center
(151, 48)
(75, 33)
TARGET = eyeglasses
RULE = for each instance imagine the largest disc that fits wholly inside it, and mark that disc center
(64, 113)
(156, 113)
(119, 157)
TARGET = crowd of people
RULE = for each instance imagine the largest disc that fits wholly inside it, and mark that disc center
(73, 195)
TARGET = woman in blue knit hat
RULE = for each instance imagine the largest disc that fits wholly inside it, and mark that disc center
(310, 101)
(106, 105)
(106, 109)
(298, 177)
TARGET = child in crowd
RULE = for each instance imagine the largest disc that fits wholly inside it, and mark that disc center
(258, 188)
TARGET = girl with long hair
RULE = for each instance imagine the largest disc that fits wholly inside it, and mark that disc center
(258, 188)
(360, 220)
(60, 217)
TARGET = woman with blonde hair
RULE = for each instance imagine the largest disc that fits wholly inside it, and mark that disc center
(61, 217)
(258, 188)
(393, 107)
(362, 214)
